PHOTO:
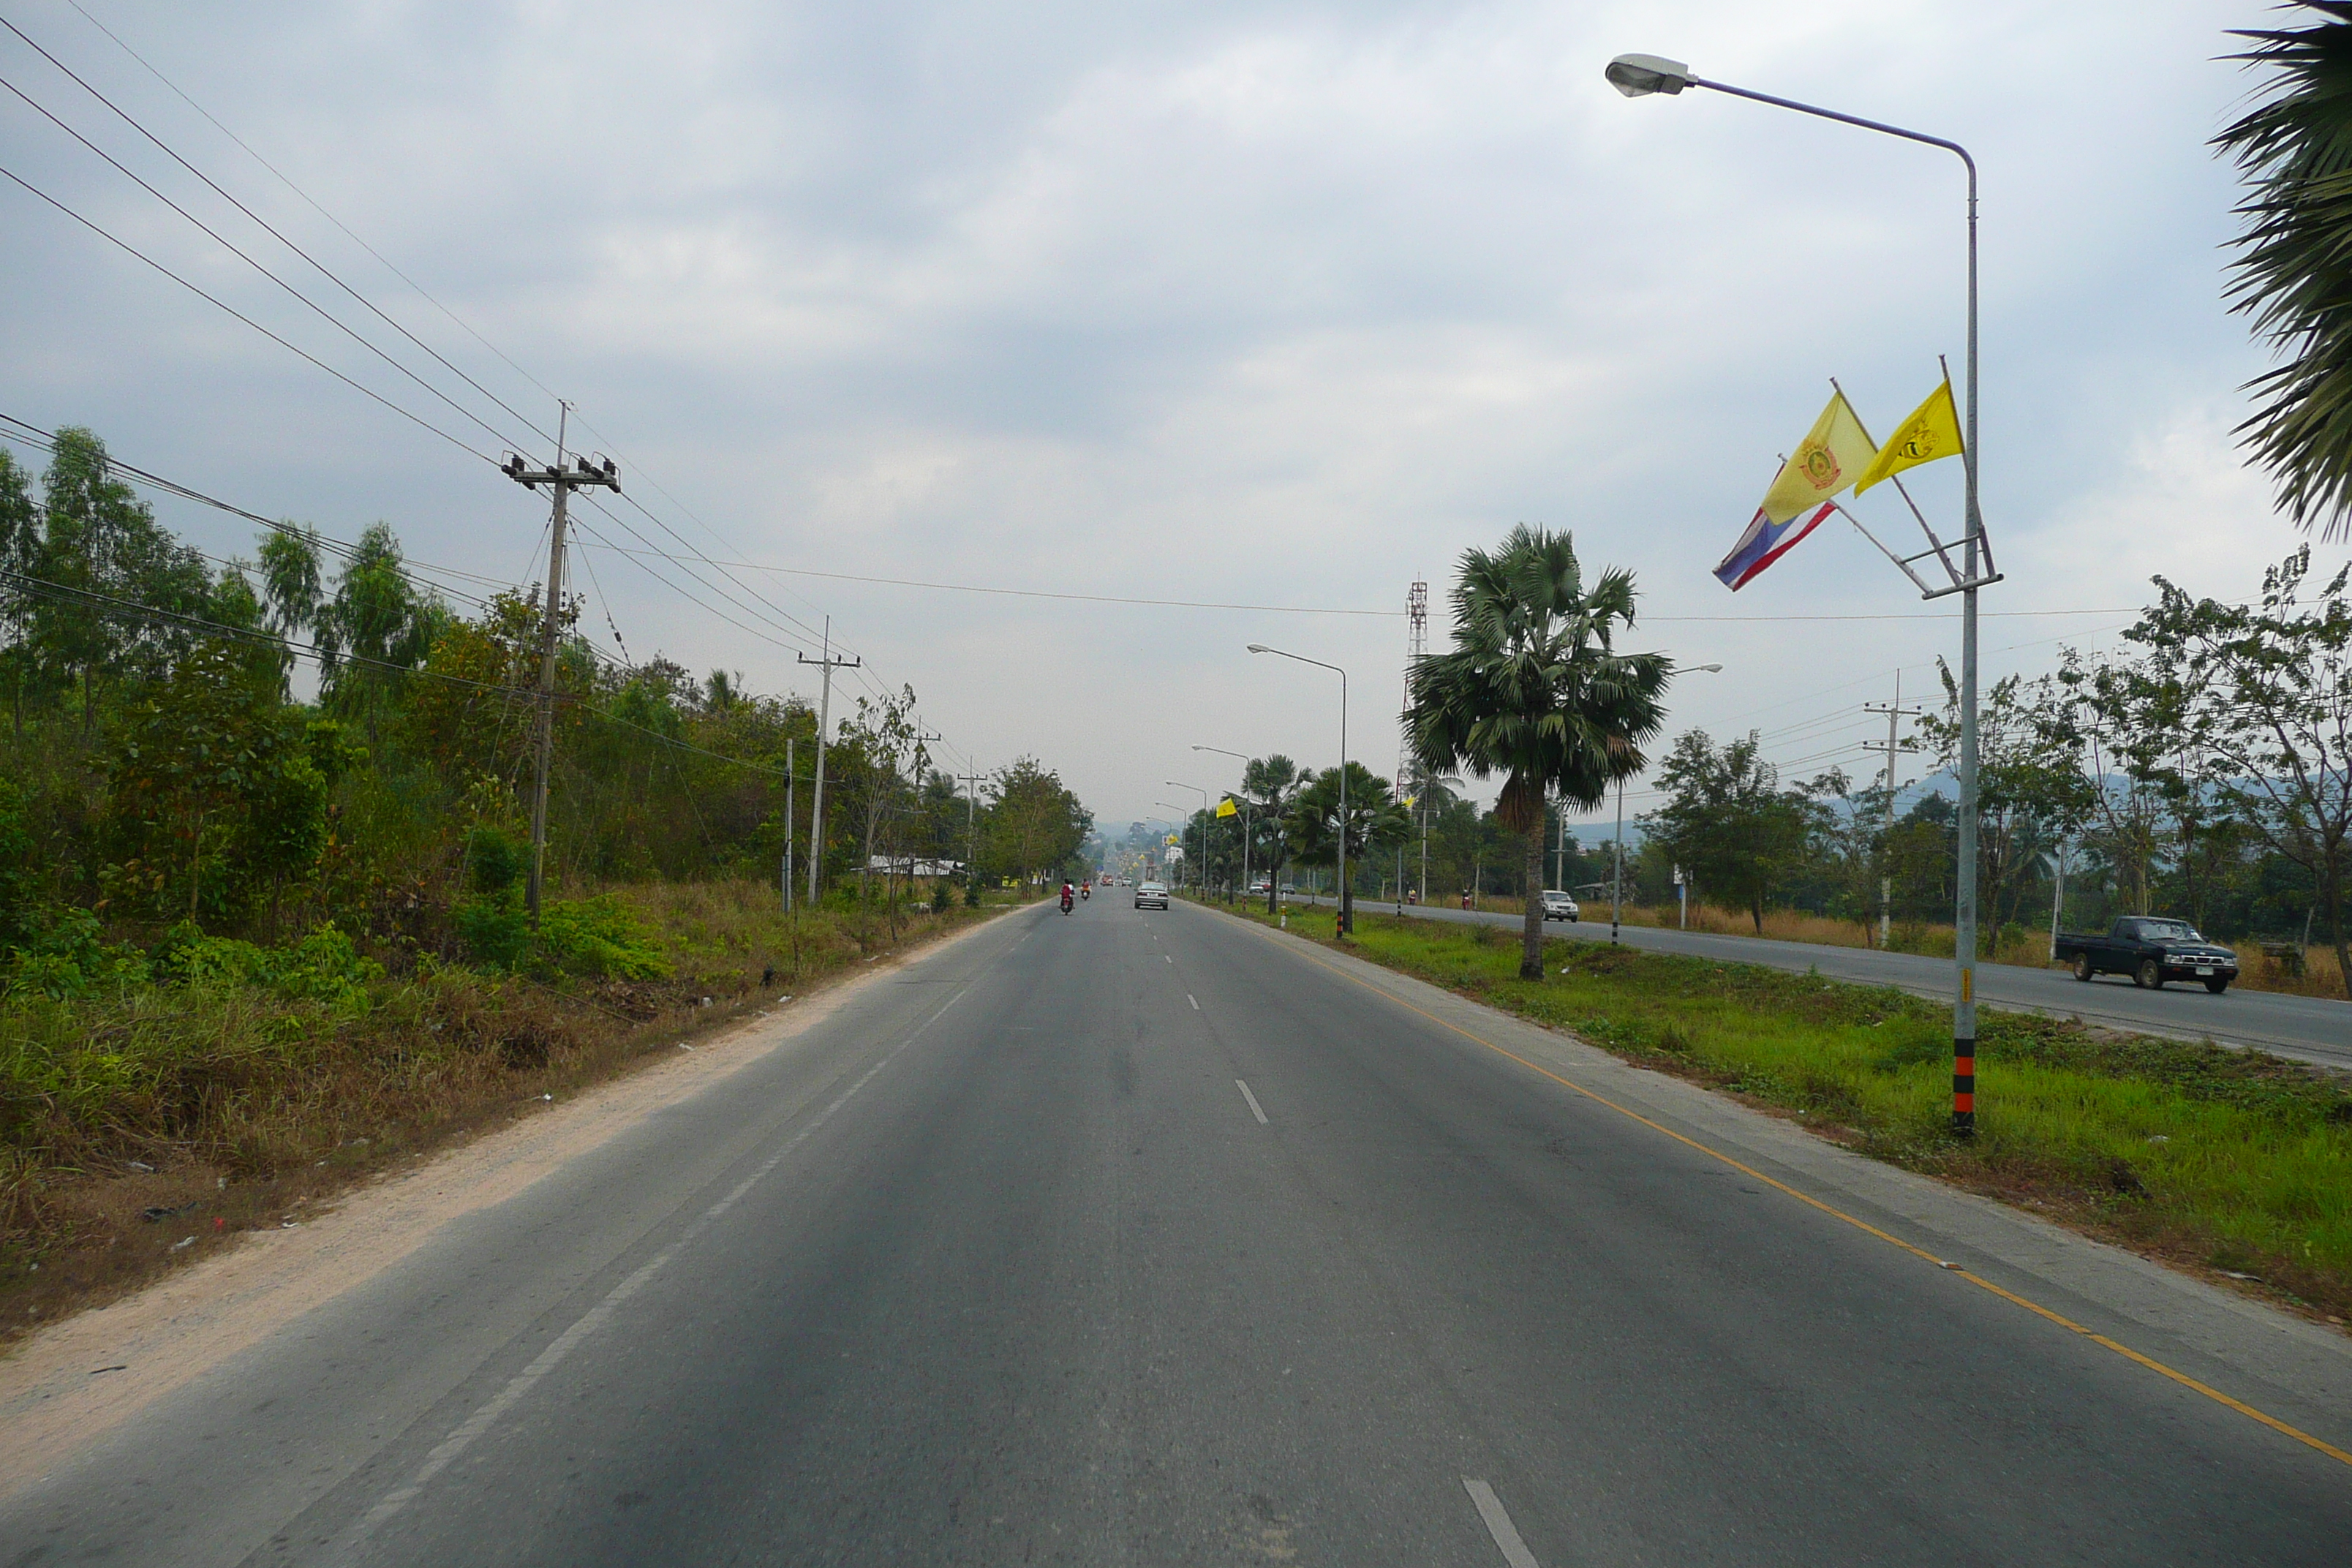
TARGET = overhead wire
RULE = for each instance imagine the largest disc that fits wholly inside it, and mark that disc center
(311, 202)
(265, 225)
(30, 435)
(311, 651)
(233, 249)
(134, 252)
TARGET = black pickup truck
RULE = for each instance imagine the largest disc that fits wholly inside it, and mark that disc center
(2152, 950)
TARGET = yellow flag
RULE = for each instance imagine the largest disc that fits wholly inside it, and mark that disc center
(1833, 451)
(1933, 431)
(1226, 807)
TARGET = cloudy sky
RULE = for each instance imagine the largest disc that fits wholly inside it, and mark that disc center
(1266, 304)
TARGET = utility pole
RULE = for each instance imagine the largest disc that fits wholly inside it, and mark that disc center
(922, 760)
(1617, 875)
(824, 719)
(792, 788)
(971, 829)
(1894, 712)
(561, 481)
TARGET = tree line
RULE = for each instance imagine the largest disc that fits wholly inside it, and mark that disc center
(2203, 770)
(314, 736)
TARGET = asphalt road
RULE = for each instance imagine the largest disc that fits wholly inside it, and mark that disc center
(1131, 1238)
(2308, 1028)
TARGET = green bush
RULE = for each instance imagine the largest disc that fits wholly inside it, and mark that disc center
(598, 937)
(493, 929)
(324, 966)
(58, 954)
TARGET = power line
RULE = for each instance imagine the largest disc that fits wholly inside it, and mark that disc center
(282, 179)
(326, 660)
(45, 441)
(1286, 610)
(133, 251)
(318, 266)
(233, 249)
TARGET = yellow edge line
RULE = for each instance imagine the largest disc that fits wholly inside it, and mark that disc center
(2183, 1378)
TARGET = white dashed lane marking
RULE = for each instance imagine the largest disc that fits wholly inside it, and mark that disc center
(1499, 1525)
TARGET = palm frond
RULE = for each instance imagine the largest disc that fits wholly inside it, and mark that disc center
(2293, 275)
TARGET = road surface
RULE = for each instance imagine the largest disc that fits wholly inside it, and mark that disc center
(2307, 1028)
(1142, 1238)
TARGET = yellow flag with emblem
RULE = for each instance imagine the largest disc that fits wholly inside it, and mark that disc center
(1226, 807)
(1933, 431)
(1825, 462)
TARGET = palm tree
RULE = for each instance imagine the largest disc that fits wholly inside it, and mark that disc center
(1269, 783)
(2294, 271)
(1534, 690)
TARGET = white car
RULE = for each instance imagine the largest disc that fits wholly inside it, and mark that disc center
(1559, 906)
(1151, 895)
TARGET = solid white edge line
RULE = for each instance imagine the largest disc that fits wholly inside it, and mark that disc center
(1192, 999)
(1252, 1101)
(1499, 1525)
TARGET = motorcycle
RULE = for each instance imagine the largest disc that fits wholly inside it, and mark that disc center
(1068, 903)
(1086, 890)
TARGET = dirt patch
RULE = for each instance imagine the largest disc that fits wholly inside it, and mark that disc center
(73, 1380)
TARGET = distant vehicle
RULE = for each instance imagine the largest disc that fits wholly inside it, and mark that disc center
(1288, 889)
(2151, 950)
(1151, 895)
(1559, 906)
(1263, 885)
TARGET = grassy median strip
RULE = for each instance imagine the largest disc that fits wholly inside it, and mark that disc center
(2215, 1159)
(144, 1122)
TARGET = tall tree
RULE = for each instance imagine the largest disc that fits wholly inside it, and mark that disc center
(2294, 271)
(2268, 691)
(1534, 690)
(1726, 821)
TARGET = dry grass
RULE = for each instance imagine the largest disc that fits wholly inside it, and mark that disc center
(2321, 976)
(142, 1130)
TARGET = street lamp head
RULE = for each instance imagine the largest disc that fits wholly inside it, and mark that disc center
(1259, 647)
(1709, 669)
(1638, 76)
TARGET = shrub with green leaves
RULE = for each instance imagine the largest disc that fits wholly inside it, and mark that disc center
(600, 938)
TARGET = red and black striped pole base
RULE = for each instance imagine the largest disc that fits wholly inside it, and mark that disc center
(1964, 1089)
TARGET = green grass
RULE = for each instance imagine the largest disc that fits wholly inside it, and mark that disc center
(2232, 1160)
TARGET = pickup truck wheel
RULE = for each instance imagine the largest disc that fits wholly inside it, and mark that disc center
(2217, 985)
(2082, 970)
(2149, 976)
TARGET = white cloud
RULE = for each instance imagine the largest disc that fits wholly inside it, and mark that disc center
(1276, 303)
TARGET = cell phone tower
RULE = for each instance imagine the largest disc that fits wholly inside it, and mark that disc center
(1416, 613)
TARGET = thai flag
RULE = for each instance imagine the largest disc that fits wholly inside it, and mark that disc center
(1764, 543)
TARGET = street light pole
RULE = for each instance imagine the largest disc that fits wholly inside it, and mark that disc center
(1199, 872)
(1637, 76)
(1244, 810)
(1345, 905)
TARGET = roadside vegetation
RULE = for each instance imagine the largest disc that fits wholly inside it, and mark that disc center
(2201, 770)
(264, 843)
(147, 1122)
(2225, 1162)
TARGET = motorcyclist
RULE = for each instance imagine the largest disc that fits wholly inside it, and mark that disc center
(1069, 897)
(1086, 890)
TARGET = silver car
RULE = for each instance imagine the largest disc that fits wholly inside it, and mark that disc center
(1559, 906)
(1150, 896)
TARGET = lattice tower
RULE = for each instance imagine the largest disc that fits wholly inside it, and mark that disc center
(1416, 611)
